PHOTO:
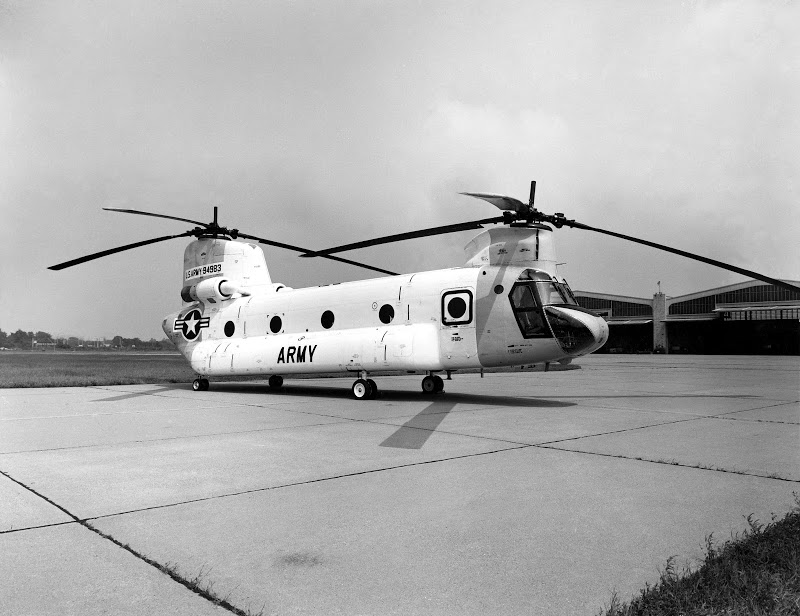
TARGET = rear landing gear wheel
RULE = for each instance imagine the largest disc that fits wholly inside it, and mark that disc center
(432, 384)
(361, 389)
(275, 381)
(200, 385)
(429, 385)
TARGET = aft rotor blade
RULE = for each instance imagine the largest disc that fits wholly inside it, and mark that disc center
(112, 251)
(194, 222)
(689, 255)
(261, 240)
(462, 226)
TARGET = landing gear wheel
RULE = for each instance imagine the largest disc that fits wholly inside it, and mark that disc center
(373, 389)
(200, 385)
(429, 385)
(439, 383)
(275, 382)
(361, 389)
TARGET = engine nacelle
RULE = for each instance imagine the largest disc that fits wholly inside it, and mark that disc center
(211, 290)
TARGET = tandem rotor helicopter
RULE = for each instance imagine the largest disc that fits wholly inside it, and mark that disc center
(503, 307)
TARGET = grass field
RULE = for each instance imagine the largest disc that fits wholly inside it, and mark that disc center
(83, 368)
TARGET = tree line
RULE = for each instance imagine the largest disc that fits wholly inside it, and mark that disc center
(43, 340)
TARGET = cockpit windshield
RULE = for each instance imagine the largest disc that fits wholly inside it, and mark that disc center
(531, 297)
(554, 293)
(570, 294)
(549, 292)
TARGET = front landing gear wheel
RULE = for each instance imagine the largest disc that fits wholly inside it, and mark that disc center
(275, 381)
(361, 389)
(200, 385)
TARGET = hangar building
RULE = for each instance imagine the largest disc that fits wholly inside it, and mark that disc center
(746, 318)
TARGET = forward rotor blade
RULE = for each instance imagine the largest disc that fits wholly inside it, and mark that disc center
(194, 222)
(261, 240)
(688, 255)
(505, 203)
(462, 226)
(112, 251)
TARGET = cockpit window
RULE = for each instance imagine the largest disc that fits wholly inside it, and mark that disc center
(522, 297)
(565, 287)
(530, 274)
(528, 311)
(550, 293)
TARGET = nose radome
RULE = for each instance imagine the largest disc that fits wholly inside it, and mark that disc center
(599, 329)
(578, 332)
(597, 326)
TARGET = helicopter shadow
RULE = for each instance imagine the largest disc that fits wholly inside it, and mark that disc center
(386, 395)
(414, 433)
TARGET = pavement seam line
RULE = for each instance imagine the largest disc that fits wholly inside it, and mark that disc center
(715, 469)
(166, 438)
(170, 572)
(38, 526)
(116, 413)
(295, 484)
(719, 416)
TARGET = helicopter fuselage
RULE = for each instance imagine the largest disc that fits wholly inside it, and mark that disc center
(460, 318)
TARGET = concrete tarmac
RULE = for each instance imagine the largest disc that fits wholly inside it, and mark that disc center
(517, 493)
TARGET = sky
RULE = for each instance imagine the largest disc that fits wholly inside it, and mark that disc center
(323, 123)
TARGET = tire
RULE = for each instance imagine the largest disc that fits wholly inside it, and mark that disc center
(361, 389)
(373, 389)
(275, 381)
(197, 385)
(204, 384)
(429, 385)
(439, 383)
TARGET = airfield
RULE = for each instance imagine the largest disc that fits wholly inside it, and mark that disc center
(515, 493)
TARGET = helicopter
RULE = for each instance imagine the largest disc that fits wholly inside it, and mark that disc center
(504, 307)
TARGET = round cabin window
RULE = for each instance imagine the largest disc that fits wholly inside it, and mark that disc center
(275, 324)
(327, 319)
(456, 307)
(386, 314)
(229, 328)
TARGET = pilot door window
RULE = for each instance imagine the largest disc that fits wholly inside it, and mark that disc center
(527, 312)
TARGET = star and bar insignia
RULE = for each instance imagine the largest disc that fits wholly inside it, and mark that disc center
(191, 324)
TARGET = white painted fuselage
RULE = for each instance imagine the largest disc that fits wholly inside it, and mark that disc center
(452, 319)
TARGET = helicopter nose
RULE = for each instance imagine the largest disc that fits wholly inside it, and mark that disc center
(578, 332)
(599, 328)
